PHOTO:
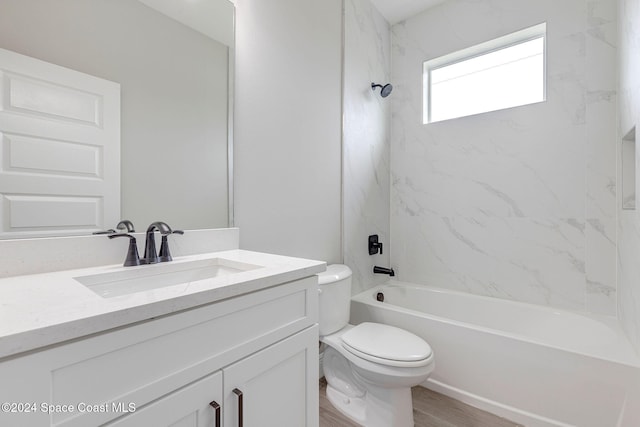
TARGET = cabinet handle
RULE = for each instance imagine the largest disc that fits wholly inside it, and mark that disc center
(216, 408)
(239, 394)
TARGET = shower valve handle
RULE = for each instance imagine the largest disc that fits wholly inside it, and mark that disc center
(375, 246)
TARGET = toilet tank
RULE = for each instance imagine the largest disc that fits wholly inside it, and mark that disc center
(334, 299)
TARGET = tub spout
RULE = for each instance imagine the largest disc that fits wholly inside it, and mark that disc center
(383, 270)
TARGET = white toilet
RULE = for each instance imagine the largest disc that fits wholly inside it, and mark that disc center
(370, 368)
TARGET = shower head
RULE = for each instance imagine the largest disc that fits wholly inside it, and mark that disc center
(384, 91)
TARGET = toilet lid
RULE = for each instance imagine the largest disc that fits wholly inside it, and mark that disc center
(386, 342)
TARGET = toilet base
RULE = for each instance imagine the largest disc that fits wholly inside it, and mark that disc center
(380, 407)
(350, 407)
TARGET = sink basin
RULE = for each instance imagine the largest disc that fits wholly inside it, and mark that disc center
(155, 276)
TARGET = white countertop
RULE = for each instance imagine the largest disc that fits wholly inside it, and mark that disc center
(43, 309)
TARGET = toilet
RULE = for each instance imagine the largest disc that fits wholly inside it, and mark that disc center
(370, 368)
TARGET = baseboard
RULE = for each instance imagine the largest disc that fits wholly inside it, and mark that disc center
(505, 411)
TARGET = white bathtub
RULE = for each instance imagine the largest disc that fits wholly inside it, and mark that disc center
(534, 365)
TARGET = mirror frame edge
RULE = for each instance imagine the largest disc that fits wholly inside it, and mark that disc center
(231, 59)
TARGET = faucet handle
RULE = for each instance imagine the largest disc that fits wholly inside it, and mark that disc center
(375, 246)
(165, 254)
(132, 254)
(109, 231)
(170, 231)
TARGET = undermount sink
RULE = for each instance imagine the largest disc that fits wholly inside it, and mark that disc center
(155, 276)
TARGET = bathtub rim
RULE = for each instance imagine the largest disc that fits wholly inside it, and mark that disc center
(632, 360)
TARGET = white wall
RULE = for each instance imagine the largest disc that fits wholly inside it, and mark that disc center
(174, 98)
(629, 220)
(287, 164)
(366, 132)
(519, 203)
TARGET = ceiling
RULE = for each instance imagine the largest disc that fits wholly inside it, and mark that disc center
(399, 10)
(200, 15)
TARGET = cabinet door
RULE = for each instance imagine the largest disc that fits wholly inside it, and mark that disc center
(191, 406)
(277, 386)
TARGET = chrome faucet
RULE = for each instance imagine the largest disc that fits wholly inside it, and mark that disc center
(150, 254)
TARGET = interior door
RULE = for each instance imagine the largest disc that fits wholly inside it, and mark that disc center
(59, 149)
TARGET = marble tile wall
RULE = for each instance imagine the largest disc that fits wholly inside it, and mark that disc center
(629, 220)
(366, 131)
(519, 203)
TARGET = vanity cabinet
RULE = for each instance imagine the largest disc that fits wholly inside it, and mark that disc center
(256, 352)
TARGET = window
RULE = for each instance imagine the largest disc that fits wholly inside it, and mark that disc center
(502, 73)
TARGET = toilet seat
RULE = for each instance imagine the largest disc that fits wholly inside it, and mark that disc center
(386, 345)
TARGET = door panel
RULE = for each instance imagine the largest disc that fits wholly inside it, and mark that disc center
(59, 149)
(278, 385)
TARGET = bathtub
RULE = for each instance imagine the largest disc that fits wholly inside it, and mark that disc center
(534, 365)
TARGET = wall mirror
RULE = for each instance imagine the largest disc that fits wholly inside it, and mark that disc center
(173, 61)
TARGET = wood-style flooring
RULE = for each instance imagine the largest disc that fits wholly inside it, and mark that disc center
(430, 409)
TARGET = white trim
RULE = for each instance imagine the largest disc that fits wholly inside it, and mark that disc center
(503, 42)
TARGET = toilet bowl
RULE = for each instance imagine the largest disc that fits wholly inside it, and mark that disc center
(370, 368)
